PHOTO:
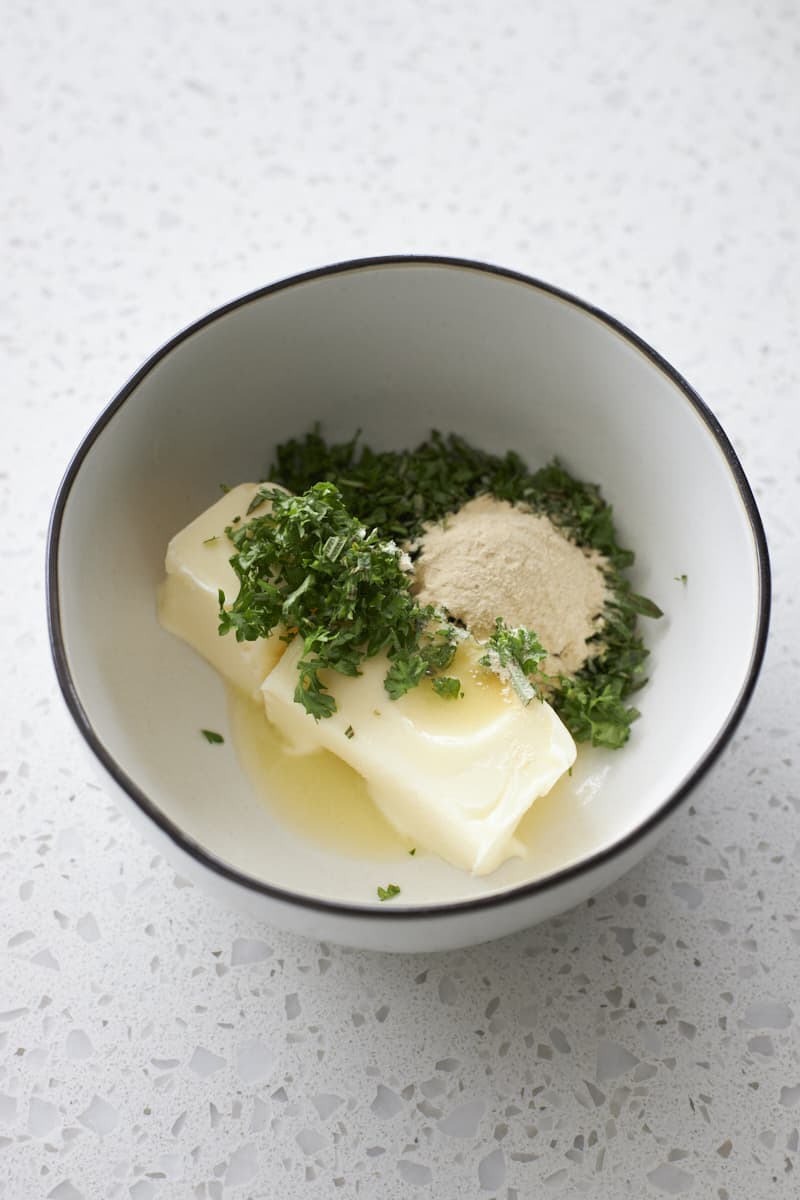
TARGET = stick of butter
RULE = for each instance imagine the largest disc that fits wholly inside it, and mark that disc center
(456, 776)
(197, 566)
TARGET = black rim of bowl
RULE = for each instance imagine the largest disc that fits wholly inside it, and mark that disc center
(509, 895)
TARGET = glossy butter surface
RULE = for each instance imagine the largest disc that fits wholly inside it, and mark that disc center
(456, 776)
(197, 566)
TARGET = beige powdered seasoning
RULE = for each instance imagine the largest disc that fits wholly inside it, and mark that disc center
(494, 559)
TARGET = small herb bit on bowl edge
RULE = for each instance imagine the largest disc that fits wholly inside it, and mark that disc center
(210, 541)
(388, 892)
(681, 578)
(349, 732)
(413, 851)
(215, 739)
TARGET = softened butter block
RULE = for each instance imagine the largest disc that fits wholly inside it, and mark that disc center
(197, 567)
(455, 776)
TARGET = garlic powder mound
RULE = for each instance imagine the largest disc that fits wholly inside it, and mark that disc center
(494, 559)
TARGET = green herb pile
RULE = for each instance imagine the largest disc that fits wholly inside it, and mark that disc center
(310, 566)
(347, 606)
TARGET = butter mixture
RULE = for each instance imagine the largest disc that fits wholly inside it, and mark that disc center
(453, 776)
(493, 558)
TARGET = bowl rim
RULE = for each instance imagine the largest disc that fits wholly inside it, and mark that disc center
(406, 911)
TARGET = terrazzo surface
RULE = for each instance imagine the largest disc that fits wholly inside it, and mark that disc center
(160, 161)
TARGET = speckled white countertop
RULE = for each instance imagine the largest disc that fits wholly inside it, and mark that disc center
(158, 160)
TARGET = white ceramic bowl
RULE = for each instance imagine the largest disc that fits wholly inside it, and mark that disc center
(395, 346)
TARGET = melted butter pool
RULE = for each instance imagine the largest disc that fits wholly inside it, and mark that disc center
(317, 796)
(323, 801)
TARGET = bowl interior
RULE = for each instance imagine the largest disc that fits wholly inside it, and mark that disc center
(395, 349)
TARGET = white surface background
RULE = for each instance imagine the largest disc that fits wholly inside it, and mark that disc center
(159, 160)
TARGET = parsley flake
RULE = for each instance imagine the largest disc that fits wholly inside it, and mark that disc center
(681, 578)
(216, 739)
(448, 687)
(388, 892)
(349, 732)
(210, 541)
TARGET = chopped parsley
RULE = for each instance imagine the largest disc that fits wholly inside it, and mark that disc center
(216, 739)
(388, 892)
(681, 578)
(210, 541)
(413, 851)
(310, 567)
(395, 493)
(515, 653)
(448, 687)
(349, 732)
